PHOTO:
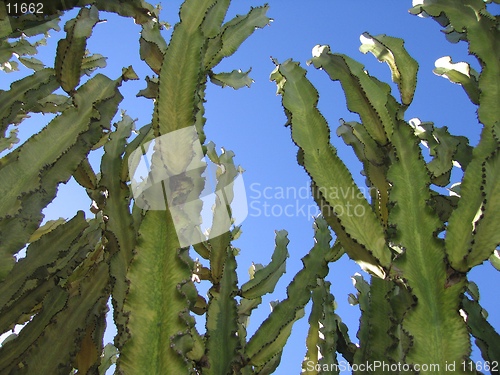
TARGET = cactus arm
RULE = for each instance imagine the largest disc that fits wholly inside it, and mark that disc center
(7, 142)
(310, 132)
(88, 357)
(378, 322)
(109, 355)
(313, 338)
(460, 73)
(264, 279)
(53, 303)
(495, 259)
(233, 33)
(480, 30)
(324, 333)
(222, 341)
(30, 158)
(334, 331)
(20, 48)
(222, 321)
(76, 303)
(487, 339)
(157, 274)
(403, 67)
(152, 45)
(50, 251)
(422, 260)
(460, 233)
(93, 296)
(177, 87)
(116, 207)
(34, 94)
(235, 79)
(58, 253)
(214, 18)
(362, 299)
(23, 94)
(245, 308)
(401, 301)
(144, 135)
(179, 104)
(354, 249)
(154, 303)
(92, 62)
(85, 175)
(140, 10)
(372, 156)
(70, 51)
(444, 148)
(84, 308)
(271, 351)
(379, 109)
(27, 184)
(221, 223)
(14, 27)
(486, 231)
(119, 232)
(365, 95)
(271, 336)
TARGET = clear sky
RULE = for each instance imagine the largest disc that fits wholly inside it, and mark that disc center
(250, 122)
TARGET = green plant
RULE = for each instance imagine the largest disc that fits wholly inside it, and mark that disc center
(71, 268)
(133, 254)
(418, 243)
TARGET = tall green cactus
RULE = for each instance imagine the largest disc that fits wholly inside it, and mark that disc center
(412, 316)
(129, 252)
(135, 253)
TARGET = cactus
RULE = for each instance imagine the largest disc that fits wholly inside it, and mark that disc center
(416, 243)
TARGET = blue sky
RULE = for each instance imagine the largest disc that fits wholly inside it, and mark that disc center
(250, 122)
